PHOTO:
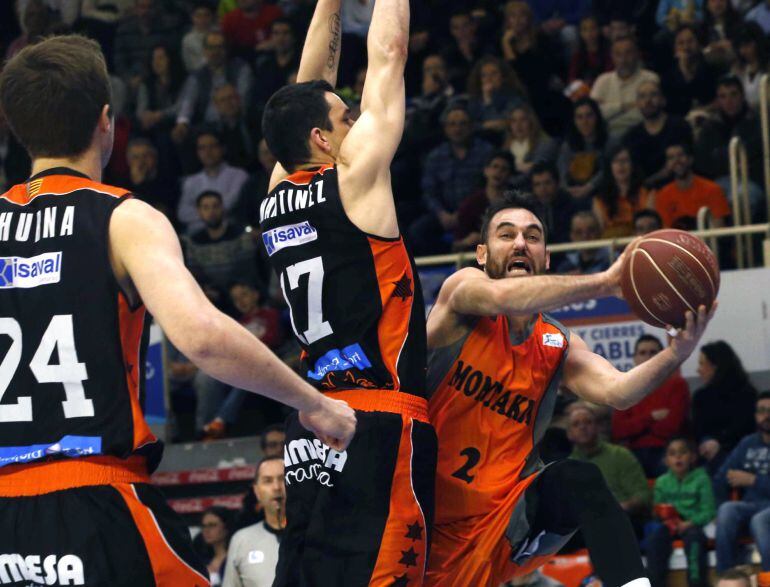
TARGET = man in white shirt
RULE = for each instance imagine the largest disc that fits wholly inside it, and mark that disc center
(615, 91)
(253, 551)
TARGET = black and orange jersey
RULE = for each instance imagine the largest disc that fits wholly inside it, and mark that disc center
(355, 301)
(71, 346)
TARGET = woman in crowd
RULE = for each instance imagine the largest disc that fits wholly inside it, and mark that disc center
(752, 61)
(494, 90)
(721, 23)
(593, 55)
(723, 409)
(215, 530)
(157, 96)
(527, 141)
(580, 157)
(621, 194)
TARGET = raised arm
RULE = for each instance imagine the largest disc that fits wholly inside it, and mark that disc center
(321, 53)
(214, 342)
(595, 379)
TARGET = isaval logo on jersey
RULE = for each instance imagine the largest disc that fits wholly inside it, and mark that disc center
(21, 272)
(291, 235)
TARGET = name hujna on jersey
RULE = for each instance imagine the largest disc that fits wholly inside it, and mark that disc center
(36, 226)
(291, 200)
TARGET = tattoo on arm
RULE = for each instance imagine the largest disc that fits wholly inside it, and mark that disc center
(334, 42)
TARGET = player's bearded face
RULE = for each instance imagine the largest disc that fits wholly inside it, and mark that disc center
(515, 246)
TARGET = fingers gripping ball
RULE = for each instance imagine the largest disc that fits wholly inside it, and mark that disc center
(667, 273)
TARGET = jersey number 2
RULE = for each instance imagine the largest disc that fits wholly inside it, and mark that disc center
(69, 372)
(463, 473)
(317, 327)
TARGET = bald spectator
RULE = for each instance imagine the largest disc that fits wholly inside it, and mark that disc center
(247, 28)
(616, 90)
(680, 200)
(585, 227)
(648, 139)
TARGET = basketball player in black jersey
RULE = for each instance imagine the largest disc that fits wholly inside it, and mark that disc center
(329, 228)
(81, 266)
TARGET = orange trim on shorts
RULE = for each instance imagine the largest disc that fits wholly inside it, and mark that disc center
(384, 400)
(48, 476)
(168, 568)
(403, 545)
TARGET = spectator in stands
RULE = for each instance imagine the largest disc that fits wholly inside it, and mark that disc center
(559, 19)
(216, 175)
(497, 176)
(648, 139)
(558, 206)
(580, 157)
(463, 49)
(536, 63)
(145, 27)
(237, 133)
(196, 102)
(620, 469)
(157, 96)
(721, 23)
(584, 227)
(646, 221)
(253, 552)
(647, 427)
(452, 171)
(732, 118)
(690, 82)
(760, 14)
(275, 64)
(747, 469)
(262, 321)
(272, 440)
(247, 28)
(592, 57)
(734, 578)
(752, 61)
(37, 23)
(672, 14)
(494, 90)
(99, 20)
(215, 529)
(145, 179)
(252, 192)
(193, 54)
(527, 141)
(621, 194)
(616, 90)
(723, 407)
(684, 503)
(683, 197)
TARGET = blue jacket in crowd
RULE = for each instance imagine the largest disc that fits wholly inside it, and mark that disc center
(751, 455)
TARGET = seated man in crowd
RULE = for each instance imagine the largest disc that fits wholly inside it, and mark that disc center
(237, 132)
(646, 221)
(622, 472)
(559, 206)
(584, 227)
(647, 427)
(253, 551)
(145, 179)
(680, 200)
(746, 470)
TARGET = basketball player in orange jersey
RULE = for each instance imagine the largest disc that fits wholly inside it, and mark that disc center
(495, 366)
(330, 231)
(82, 266)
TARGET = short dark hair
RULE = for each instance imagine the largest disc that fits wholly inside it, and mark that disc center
(731, 81)
(684, 144)
(545, 167)
(647, 213)
(689, 27)
(688, 441)
(208, 131)
(513, 199)
(460, 105)
(507, 156)
(290, 114)
(53, 93)
(267, 430)
(736, 575)
(207, 194)
(647, 338)
(261, 462)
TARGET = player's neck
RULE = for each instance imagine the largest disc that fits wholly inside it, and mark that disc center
(88, 164)
(520, 327)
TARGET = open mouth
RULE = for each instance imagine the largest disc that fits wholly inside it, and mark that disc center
(520, 266)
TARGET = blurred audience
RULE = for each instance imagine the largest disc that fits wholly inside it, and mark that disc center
(584, 227)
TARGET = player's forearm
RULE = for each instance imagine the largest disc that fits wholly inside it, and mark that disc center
(228, 352)
(321, 53)
(388, 38)
(634, 385)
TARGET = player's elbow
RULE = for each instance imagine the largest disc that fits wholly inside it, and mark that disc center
(619, 402)
(200, 341)
(392, 50)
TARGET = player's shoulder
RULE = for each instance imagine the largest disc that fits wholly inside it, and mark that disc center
(61, 185)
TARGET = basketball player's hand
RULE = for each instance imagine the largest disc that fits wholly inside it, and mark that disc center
(333, 422)
(615, 272)
(686, 339)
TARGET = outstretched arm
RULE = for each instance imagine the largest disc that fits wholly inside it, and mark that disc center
(321, 53)
(595, 379)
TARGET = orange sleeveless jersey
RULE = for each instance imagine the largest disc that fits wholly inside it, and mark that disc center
(491, 406)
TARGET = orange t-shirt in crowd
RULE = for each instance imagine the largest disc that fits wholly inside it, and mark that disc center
(622, 223)
(673, 203)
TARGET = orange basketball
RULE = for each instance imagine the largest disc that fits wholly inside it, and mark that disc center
(667, 273)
